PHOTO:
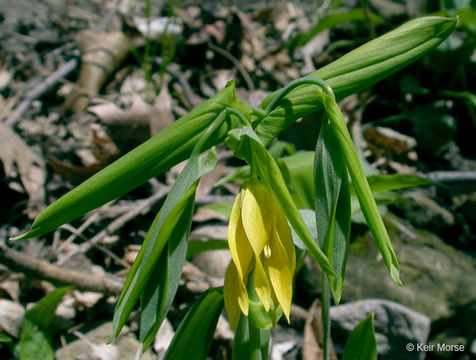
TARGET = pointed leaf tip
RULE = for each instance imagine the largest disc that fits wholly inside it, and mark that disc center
(395, 275)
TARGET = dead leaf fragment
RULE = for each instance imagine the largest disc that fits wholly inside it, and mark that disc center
(101, 54)
(313, 335)
(157, 115)
(18, 158)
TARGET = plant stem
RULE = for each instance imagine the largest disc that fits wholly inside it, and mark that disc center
(294, 84)
(325, 315)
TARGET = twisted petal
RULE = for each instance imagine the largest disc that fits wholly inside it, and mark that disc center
(256, 215)
(262, 286)
(235, 296)
(239, 245)
(282, 263)
(286, 237)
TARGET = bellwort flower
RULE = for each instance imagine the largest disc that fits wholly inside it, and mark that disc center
(262, 251)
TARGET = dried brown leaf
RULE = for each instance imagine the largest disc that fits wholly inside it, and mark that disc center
(313, 335)
(18, 158)
(101, 54)
(157, 116)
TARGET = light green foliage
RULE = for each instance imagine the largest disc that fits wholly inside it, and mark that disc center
(361, 344)
(154, 277)
(35, 338)
(195, 334)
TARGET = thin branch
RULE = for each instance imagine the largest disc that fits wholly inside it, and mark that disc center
(143, 206)
(40, 268)
(238, 65)
(40, 89)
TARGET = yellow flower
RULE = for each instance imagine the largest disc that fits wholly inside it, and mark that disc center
(260, 243)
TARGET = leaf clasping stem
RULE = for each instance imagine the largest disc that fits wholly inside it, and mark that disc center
(215, 125)
(294, 84)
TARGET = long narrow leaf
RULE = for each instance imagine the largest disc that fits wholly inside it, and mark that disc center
(172, 224)
(195, 334)
(362, 188)
(169, 147)
(332, 205)
(358, 70)
(351, 73)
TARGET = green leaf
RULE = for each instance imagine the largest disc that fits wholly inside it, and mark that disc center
(278, 148)
(309, 219)
(169, 231)
(246, 145)
(196, 247)
(362, 188)
(331, 21)
(396, 182)
(361, 344)
(297, 172)
(5, 338)
(34, 343)
(43, 313)
(382, 199)
(194, 336)
(35, 337)
(358, 70)
(240, 174)
(332, 209)
(223, 209)
(169, 147)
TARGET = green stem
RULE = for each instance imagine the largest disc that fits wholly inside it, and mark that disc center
(239, 115)
(209, 131)
(325, 315)
(294, 84)
(215, 125)
(258, 112)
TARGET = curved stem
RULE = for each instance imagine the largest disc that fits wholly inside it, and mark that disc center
(210, 130)
(294, 84)
(215, 125)
(239, 115)
(258, 112)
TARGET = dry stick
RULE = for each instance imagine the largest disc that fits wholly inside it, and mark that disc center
(40, 268)
(452, 176)
(117, 224)
(213, 199)
(40, 89)
(237, 64)
(193, 98)
(77, 232)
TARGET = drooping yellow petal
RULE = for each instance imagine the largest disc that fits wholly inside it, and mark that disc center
(256, 215)
(262, 285)
(240, 248)
(285, 236)
(235, 296)
(280, 270)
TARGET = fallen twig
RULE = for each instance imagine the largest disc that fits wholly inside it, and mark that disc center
(40, 89)
(40, 268)
(144, 205)
(238, 65)
(452, 176)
